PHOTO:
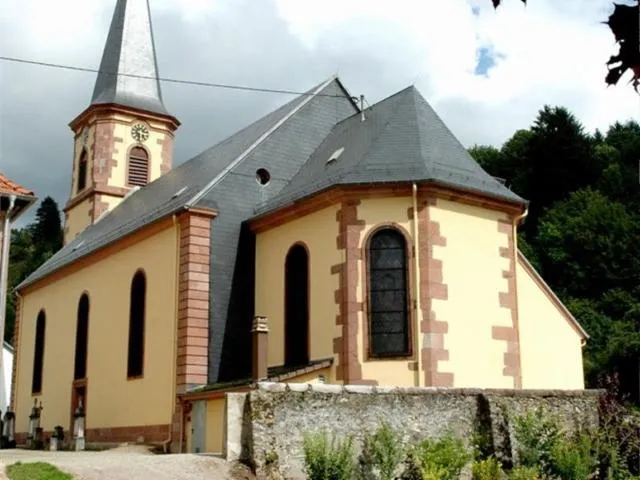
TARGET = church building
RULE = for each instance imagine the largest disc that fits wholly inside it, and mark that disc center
(324, 242)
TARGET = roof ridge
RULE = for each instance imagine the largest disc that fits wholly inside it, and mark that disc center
(234, 163)
(384, 127)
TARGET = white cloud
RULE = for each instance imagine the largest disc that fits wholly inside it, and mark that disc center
(550, 52)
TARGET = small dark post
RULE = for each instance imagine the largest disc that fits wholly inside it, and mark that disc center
(259, 333)
(34, 425)
(78, 426)
(8, 430)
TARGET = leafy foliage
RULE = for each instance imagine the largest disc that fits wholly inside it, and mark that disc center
(583, 229)
(328, 460)
(382, 454)
(488, 469)
(441, 459)
(31, 247)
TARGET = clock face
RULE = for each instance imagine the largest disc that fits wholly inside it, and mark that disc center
(139, 132)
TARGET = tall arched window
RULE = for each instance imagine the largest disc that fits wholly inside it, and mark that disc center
(296, 304)
(82, 337)
(82, 171)
(388, 305)
(135, 360)
(38, 353)
(138, 172)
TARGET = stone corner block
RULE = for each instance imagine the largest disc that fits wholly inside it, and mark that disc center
(358, 389)
(326, 388)
(298, 387)
(272, 387)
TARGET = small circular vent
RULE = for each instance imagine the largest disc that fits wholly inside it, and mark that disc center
(262, 176)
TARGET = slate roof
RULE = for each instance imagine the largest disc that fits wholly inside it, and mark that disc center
(198, 180)
(401, 139)
(130, 50)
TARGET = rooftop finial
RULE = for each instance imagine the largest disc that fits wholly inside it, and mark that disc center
(129, 54)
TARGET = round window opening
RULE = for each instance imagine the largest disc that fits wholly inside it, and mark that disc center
(263, 176)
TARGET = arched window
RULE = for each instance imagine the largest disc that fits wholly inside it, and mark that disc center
(82, 171)
(82, 337)
(38, 354)
(138, 172)
(135, 360)
(296, 304)
(388, 305)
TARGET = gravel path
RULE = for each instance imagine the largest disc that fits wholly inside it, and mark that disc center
(130, 462)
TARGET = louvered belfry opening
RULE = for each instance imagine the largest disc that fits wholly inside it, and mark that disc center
(138, 173)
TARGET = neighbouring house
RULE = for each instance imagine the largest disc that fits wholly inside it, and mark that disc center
(7, 365)
(322, 243)
(14, 201)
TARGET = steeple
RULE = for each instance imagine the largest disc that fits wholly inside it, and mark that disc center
(130, 50)
(124, 138)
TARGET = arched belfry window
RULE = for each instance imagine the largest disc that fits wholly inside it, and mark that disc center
(388, 302)
(82, 338)
(135, 360)
(38, 353)
(138, 171)
(82, 171)
(296, 304)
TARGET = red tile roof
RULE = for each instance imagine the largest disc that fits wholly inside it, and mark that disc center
(7, 186)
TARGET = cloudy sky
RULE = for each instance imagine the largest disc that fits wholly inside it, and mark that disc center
(486, 72)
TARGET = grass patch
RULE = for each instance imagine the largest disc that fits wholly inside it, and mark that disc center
(35, 471)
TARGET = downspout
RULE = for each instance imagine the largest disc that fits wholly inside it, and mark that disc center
(514, 226)
(416, 301)
(167, 443)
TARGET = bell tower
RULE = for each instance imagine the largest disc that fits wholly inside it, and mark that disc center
(124, 138)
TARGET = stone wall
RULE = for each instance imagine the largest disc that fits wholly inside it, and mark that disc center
(275, 416)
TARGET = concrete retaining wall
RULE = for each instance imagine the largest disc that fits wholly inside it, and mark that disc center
(273, 419)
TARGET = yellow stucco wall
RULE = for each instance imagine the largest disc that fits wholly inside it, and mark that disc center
(550, 348)
(472, 270)
(215, 425)
(112, 400)
(318, 231)
(78, 218)
(376, 212)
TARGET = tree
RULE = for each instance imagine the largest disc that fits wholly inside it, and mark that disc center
(624, 23)
(589, 245)
(583, 230)
(31, 247)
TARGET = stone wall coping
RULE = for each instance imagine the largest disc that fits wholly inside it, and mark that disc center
(281, 387)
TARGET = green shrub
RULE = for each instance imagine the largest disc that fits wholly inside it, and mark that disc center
(326, 460)
(574, 458)
(536, 437)
(381, 455)
(441, 459)
(489, 469)
(525, 473)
